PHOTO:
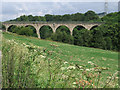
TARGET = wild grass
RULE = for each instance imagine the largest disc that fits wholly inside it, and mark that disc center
(30, 62)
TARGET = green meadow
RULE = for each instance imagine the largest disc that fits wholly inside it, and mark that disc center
(64, 65)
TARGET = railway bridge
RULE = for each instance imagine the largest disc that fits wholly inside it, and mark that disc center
(53, 25)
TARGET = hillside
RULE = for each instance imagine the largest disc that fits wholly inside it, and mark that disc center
(75, 55)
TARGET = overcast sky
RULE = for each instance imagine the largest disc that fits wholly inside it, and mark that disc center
(12, 9)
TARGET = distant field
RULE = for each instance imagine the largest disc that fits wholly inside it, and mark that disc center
(82, 56)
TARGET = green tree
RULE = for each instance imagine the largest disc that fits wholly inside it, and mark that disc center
(87, 37)
(108, 43)
(25, 31)
(34, 30)
(63, 29)
(49, 17)
(98, 39)
(91, 15)
(30, 17)
(66, 17)
(77, 17)
(45, 32)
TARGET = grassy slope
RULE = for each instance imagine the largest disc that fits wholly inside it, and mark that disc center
(0, 39)
(75, 54)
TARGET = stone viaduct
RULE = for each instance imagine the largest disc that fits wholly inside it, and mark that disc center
(54, 26)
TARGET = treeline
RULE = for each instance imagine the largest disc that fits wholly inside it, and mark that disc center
(88, 16)
(105, 36)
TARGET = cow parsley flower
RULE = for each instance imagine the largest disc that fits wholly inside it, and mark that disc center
(71, 67)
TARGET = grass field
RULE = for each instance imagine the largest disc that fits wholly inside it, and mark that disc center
(76, 55)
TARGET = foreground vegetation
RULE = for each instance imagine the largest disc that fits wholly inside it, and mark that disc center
(31, 62)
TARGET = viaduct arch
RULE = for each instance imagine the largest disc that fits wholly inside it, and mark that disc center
(54, 26)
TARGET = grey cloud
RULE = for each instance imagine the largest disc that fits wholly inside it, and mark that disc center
(12, 10)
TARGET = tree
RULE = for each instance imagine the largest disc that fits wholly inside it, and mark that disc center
(46, 32)
(49, 17)
(87, 37)
(30, 17)
(98, 39)
(66, 17)
(11, 28)
(57, 18)
(25, 31)
(91, 15)
(23, 18)
(63, 29)
(108, 43)
(79, 36)
(77, 17)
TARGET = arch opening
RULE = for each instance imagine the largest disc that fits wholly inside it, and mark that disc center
(63, 34)
(94, 27)
(78, 33)
(45, 32)
(77, 29)
(32, 28)
(12, 28)
(64, 29)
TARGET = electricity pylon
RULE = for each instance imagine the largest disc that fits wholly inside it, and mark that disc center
(119, 6)
(106, 7)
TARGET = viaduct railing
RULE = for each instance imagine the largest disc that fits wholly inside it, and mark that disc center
(51, 22)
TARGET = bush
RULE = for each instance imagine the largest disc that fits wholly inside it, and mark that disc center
(25, 31)
(62, 37)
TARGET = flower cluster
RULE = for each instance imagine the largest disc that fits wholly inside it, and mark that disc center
(71, 67)
(83, 83)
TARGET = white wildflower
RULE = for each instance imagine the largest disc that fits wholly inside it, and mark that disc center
(89, 62)
(116, 77)
(65, 62)
(71, 67)
(74, 83)
(80, 66)
(109, 77)
(64, 76)
(63, 68)
(42, 56)
(87, 69)
(34, 50)
(74, 86)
